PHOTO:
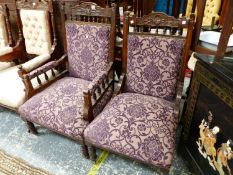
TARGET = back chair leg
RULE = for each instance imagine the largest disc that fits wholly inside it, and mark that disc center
(92, 152)
(85, 151)
(31, 128)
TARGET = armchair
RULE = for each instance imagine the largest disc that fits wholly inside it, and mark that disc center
(69, 104)
(9, 51)
(36, 21)
(140, 122)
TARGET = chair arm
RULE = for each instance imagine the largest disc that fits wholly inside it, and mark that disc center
(44, 68)
(119, 85)
(34, 63)
(96, 90)
(178, 98)
(27, 77)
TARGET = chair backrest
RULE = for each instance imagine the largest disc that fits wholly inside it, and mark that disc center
(90, 38)
(151, 61)
(38, 27)
(5, 28)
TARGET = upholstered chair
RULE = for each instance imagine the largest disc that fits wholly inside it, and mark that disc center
(140, 122)
(10, 51)
(37, 22)
(212, 8)
(69, 104)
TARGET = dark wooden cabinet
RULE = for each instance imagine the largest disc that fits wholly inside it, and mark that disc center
(208, 121)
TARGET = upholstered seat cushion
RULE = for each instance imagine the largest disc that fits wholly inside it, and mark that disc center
(60, 107)
(12, 92)
(139, 126)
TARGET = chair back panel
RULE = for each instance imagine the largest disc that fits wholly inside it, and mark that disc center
(3, 32)
(87, 48)
(153, 64)
(211, 10)
(36, 31)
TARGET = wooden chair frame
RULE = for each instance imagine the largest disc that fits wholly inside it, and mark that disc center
(144, 25)
(86, 12)
(17, 54)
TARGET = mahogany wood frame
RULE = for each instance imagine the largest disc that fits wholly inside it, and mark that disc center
(90, 13)
(16, 55)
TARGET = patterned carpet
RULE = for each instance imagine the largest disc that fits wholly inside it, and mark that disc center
(58, 155)
(10, 165)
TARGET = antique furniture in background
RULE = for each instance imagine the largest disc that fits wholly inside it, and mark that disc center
(212, 10)
(36, 20)
(70, 103)
(208, 119)
(227, 24)
(10, 51)
(140, 121)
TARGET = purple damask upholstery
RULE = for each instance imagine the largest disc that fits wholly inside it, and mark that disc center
(60, 107)
(88, 49)
(153, 65)
(139, 126)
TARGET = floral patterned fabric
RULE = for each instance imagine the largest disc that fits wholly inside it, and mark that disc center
(88, 49)
(60, 107)
(153, 65)
(139, 126)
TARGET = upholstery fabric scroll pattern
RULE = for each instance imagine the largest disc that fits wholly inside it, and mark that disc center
(59, 107)
(138, 126)
(88, 49)
(153, 65)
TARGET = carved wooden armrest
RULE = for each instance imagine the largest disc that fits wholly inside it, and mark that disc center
(178, 97)
(40, 71)
(95, 91)
(44, 68)
(119, 85)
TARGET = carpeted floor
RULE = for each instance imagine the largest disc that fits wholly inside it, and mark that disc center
(61, 156)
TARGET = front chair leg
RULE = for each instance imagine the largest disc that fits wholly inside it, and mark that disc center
(31, 128)
(92, 152)
(85, 151)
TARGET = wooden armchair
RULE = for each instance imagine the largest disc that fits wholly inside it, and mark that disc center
(140, 122)
(36, 20)
(69, 104)
(10, 52)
